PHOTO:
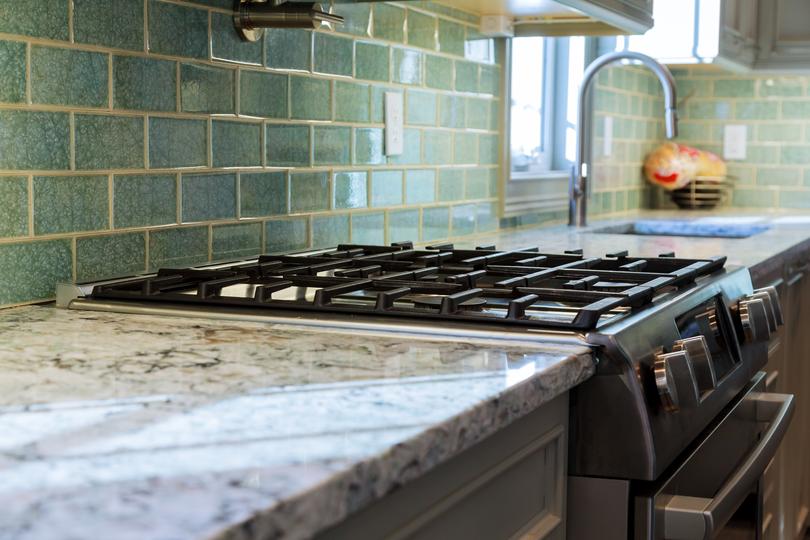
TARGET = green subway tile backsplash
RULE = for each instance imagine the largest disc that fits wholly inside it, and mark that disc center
(12, 72)
(118, 25)
(68, 77)
(148, 135)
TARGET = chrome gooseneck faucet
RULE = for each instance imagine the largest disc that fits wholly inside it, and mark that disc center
(580, 172)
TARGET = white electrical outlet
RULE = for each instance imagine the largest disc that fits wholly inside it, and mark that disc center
(734, 141)
(607, 137)
(394, 124)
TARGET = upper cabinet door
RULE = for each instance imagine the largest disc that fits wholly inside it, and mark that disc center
(784, 36)
(738, 31)
(566, 17)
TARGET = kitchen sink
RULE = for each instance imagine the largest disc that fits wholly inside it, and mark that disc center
(692, 228)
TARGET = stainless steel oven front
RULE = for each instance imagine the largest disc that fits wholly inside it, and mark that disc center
(715, 492)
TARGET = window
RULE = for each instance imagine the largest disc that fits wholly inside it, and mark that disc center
(544, 82)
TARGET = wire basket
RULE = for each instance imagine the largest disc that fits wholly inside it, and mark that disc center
(703, 192)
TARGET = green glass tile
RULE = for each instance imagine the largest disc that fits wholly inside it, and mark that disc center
(144, 84)
(284, 235)
(368, 228)
(378, 102)
(734, 88)
(795, 154)
(486, 217)
(328, 231)
(13, 206)
(31, 270)
(407, 66)
(351, 189)
(451, 37)
(463, 218)
(753, 198)
(421, 30)
(452, 111)
(176, 248)
(477, 184)
(794, 199)
(420, 186)
(178, 30)
(70, 203)
(778, 176)
(756, 110)
(371, 61)
(386, 188)
(389, 22)
(108, 142)
(465, 148)
(490, 80)
(478, 113)
(287, 145)
(709, 109)
(435, 223)
(333, 54)
(779, 132)
(34, 140)
(263, 94)
(229, 242)
(451, 184)
(794, 110)
(694, 87)
(263, 194)
(110, 256)
(368, 146)
(12, 71)
(311, 98)
(208, 197)
(403, 225)
(438, 72)
(466, 77)
(411, 149)
(174, 142)
(144, 200)
(207, 89)
(356, 18)
(331, 145)
(780, 87)
(236, 144)
(421, 108)
(437, 146)
(68, 77)
(288, 49)
(227, 45)
(28, 18)
(309, 192)
(488, 151)
(352, 102)
(119, 24)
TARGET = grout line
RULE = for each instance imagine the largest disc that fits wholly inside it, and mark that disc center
(72, 141)
(71, 30)
(238, 196)
(147, 253)
(178, 199)
(177, 84)
(73, 257)
(145, 26)
(30, 182)
(28, 90)
(210, 242)
(146, 156)
(110, 82)
(110, 195)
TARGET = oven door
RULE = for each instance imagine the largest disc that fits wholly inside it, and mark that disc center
(714, 492)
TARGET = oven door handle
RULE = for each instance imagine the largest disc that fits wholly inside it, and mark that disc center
(691, 518)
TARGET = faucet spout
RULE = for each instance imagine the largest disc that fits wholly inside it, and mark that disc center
(578, 186)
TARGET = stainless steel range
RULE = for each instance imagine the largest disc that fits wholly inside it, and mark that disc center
(668, 440)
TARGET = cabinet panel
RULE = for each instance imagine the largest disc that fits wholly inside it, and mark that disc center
(510, 486)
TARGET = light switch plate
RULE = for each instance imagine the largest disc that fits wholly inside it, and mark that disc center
(394, 124)
(735, 141)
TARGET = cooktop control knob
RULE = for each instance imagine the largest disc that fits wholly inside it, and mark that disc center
(754, 320)
(701, 359)
(675, 380)
(772, 296)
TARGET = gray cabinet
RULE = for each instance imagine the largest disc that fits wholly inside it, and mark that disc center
(784, 36)
(509, 486)
(737, 40)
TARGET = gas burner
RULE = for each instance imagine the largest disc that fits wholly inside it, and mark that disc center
(517, 287)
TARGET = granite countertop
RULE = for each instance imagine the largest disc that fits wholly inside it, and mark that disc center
(125, 426)
(145, 427)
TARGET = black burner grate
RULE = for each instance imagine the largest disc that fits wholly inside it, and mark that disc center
(522, 287)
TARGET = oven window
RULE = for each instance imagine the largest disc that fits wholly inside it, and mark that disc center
(709, 320)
